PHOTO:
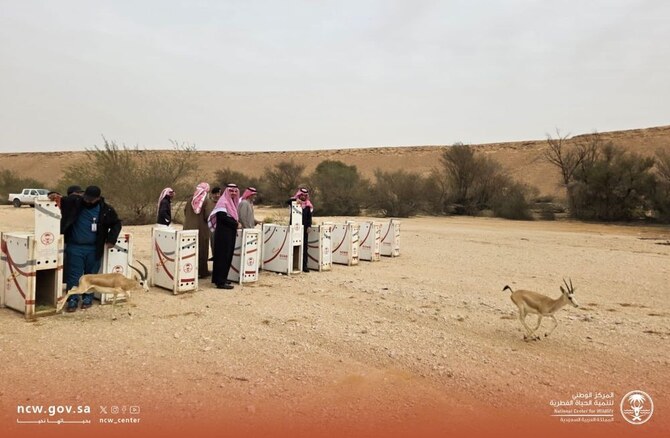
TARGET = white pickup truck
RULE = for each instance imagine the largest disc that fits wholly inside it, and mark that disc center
(27, 197)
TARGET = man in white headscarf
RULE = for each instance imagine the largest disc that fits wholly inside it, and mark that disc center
(196, 213)
(246, 208)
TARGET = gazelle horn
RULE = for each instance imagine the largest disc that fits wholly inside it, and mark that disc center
(138, 271)
(146, 270)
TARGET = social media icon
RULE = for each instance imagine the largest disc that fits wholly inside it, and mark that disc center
(103, 409)
(134, 410)
(115, 409)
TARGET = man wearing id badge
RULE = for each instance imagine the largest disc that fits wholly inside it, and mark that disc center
(89, 225)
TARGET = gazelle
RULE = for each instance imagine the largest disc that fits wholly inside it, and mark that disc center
(532, 302)
(115, 284)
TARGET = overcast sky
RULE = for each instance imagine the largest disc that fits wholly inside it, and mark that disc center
(287, 75)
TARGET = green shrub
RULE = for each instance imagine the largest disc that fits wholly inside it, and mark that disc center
(397, 194)
(511, 202)
(616, 185)
(338, 189)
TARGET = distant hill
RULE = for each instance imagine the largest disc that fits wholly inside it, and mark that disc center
(523, 159)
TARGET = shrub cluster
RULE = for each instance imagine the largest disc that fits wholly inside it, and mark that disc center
(608, 183)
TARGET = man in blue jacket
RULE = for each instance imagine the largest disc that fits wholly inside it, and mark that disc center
(89, 225)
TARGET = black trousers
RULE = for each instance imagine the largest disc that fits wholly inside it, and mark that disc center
(305, 247)
(224, 246)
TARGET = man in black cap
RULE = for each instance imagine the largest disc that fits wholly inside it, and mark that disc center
(89, 225)
(74, 190)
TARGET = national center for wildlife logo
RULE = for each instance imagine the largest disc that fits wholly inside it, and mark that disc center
(637, 407)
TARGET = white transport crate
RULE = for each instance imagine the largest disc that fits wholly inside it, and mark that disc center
(370, 235)
(319, 244)
(31, 289)
(295, 213)
(391, 238)
(246, 257)
(174, 259)
(117, 259)
(345, 243)
(282, 248)
(47, 233)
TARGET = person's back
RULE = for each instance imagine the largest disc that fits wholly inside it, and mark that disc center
(164, 216)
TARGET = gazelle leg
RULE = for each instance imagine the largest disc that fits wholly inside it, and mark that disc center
(116, 294)
(529, 332)
(539, 320)
(552, 329)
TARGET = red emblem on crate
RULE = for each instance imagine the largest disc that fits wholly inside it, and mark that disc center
(251, 261)
(188, 267)
(118, 269)
(47, 238)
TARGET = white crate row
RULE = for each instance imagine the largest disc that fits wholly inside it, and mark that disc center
(31, 264)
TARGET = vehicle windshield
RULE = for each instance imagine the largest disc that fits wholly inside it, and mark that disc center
(42, 191)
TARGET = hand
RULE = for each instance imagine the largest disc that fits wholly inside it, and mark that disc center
(109, 245)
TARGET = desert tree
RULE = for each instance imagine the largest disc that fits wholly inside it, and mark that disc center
(662, 193)
(461, 171)
(617, 185)
(132, 179)
(338, 189)
(398, 194)
(568, 156)
(282, 180)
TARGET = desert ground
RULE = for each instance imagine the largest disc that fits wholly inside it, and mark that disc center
(427, 341)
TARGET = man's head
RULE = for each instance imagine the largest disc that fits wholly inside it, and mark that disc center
(92, 195)
(233, 189)
(53, 196)
(250, 194)
(75, 190)
(303, 194)
(215, 193)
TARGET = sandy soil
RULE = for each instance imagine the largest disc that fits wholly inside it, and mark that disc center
(376, 344)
